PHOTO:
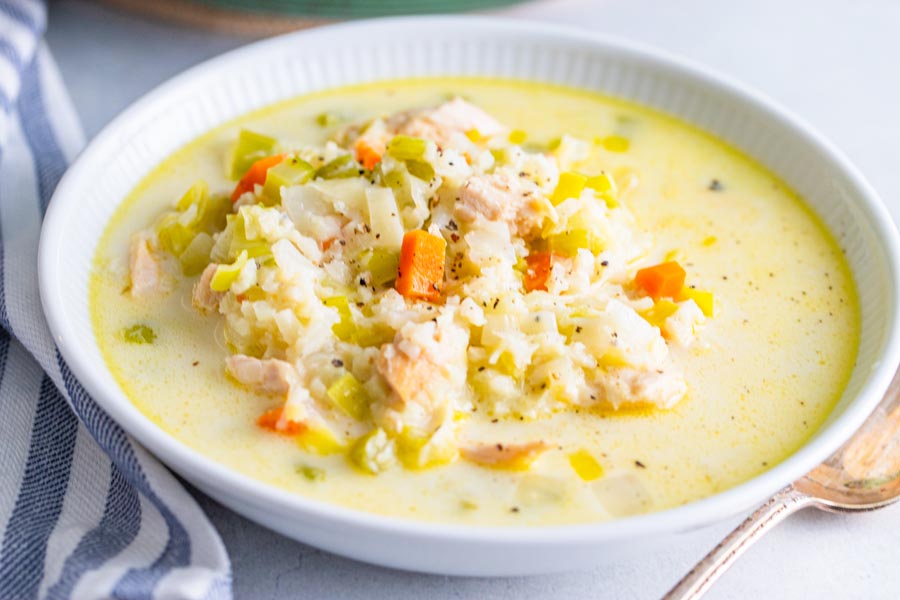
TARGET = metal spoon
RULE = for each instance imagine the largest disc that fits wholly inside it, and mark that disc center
(863, 475)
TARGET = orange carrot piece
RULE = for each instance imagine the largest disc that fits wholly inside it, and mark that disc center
(421, 272)
(537, 271)
(269, 420)
(256, 174)
(664, 280)
(367, 154)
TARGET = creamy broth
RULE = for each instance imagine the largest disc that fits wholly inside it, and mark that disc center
(773, 362)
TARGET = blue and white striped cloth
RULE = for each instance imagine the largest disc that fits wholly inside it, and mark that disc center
(84, 511)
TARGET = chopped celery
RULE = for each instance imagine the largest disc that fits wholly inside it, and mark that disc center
(404, 147)
(311, 473)
(249, 148)
(339, 168)
(416, 451)
(602, 183)
(319, 440)
(293, 171)
(570, 186)
(173, 236)
(350, 396)
(569, 242)
(258, 249)
(517, 136)
(499, 154)
(372, 453)
(393, 180)
(196, 256)
(197, 212)
(211, 213)
(401, 184)
(225, 275)
(421, 169)
(474, 135)
(585, 465)
(383, 265)
(194, 195)
(704, 300)
(604, 187)
(139, 334)
(345, 329)
(659, 312)
(327, 119)
(615, 143)
(375, 335)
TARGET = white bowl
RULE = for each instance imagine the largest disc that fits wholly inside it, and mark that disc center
(272, 70)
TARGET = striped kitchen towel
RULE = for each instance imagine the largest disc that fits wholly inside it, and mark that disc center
(84, 511)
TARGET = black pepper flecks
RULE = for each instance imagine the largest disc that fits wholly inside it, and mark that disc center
(715, 186)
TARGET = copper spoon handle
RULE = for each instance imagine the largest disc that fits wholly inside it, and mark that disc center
(696, 583)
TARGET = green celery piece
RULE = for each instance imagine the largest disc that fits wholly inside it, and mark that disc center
(196, 256)
(311, 473)
(327, 119)
(225, 275)
(249, 148)
(400, 184)
(404, 147)
(176, 230)
(194, 195)
(212, 213)
(139, 334)
(374, 336)
(341, 167)
(420, 169)
(350, 396)
(383, 265)
(345, 329)
(363, 453)
(294, 171)
(259, 249)
(568, 242)
(211, 210)
(173, 236)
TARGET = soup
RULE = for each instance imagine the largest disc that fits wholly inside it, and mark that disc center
(475, 301)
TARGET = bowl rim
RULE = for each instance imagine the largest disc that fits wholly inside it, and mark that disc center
(214, 475)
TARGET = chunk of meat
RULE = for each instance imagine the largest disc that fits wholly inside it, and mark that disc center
(513, 457)
(425, 368)
(147, 274)
(203, 297)
(444, 124)
(503, 197)
(626, 385)
(269, 376)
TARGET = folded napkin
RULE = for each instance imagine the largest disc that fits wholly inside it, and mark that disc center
(84, 511)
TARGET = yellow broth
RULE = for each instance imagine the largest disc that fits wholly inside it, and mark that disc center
(776, 356)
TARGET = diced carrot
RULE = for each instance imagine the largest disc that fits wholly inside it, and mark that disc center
(421, 272)
(537, 271)
(367, 154)
(269, 420)
(664, 280)
(327, 243)
(256, 174)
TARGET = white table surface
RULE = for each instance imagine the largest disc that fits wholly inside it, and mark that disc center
(833, 62)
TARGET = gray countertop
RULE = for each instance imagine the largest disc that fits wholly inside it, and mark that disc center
(833, 62)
